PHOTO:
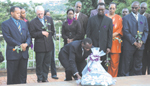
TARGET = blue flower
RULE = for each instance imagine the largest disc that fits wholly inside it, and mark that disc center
(23, 28)
(141, 22)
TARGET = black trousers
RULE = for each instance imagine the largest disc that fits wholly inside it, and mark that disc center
(42, 65)
(64, 60)
(131, 62)
(52, 65)
(17, 71)
(103, 58)
(146, 62)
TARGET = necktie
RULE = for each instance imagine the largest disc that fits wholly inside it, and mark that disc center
(76, 16)
(18, 25)
(136, 17)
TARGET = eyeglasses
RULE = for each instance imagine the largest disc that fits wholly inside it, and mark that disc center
(40, 14)
(143, 8)
(134, 7)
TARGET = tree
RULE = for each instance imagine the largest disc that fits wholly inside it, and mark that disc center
(88, 5)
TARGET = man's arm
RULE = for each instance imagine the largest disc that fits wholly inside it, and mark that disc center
(110, 32)
(145, 32)
(7, 36)
(72, 60)
(126, 33)
(33, 32)
(88, 30)
(85, 23)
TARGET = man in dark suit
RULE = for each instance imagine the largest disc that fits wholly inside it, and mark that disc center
(43, 44)
(81, 17)
(15, 33)
(146, 54)
(133, 47)
(99, 29)
(95, 11)
(72, 57)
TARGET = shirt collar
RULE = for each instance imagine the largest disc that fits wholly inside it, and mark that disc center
(14, 19)
(143, 13)
(41, 19)
(134, 14)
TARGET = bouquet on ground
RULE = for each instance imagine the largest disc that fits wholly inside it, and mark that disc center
(45, 27)
(139, 36)
(17, 49)
(94, 73)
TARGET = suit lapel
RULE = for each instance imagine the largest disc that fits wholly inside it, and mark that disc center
(14, 26)
(103, 22)
(139, 22)
(133, 18)
(39, 23)
(80, 16)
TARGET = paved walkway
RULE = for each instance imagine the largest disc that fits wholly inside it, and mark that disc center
(31, 78)
(121, 81)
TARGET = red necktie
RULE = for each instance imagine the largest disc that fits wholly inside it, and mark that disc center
(76, 16)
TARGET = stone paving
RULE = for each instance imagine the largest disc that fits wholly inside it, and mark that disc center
(31, 78)
(143, 80)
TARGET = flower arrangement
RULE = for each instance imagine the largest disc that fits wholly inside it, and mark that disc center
(46, 26)
(17, 48)
(116, 38)
(139, 36)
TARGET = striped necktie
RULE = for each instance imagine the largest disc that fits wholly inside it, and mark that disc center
(18, 25)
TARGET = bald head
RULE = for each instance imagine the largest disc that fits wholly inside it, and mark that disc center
(143, 8)
(135, 7)
(100, 1)
(136, 3)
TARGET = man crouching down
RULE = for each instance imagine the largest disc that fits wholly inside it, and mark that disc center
(72, 57)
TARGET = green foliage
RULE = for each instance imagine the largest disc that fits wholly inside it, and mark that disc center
(88, 5)
(5, 7)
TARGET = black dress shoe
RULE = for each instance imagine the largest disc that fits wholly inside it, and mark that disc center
(54, 77)
(45, 81)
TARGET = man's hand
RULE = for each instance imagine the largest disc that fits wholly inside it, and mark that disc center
(135, 43)
(139, 45)
(45, 33)
(79, 77)
(24, 46)
(108, 51)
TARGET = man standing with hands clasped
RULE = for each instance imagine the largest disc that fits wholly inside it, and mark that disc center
(15, 33)
(42, 29)
(135, 30)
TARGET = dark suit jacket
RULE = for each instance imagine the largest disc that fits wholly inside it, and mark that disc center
(130, 28)
(72, 31)
(147, 15)
(74, 52)
(42, 43)
(101, 34)
(14, 38)
(95, 11)
(83, 21)
(147, 44)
